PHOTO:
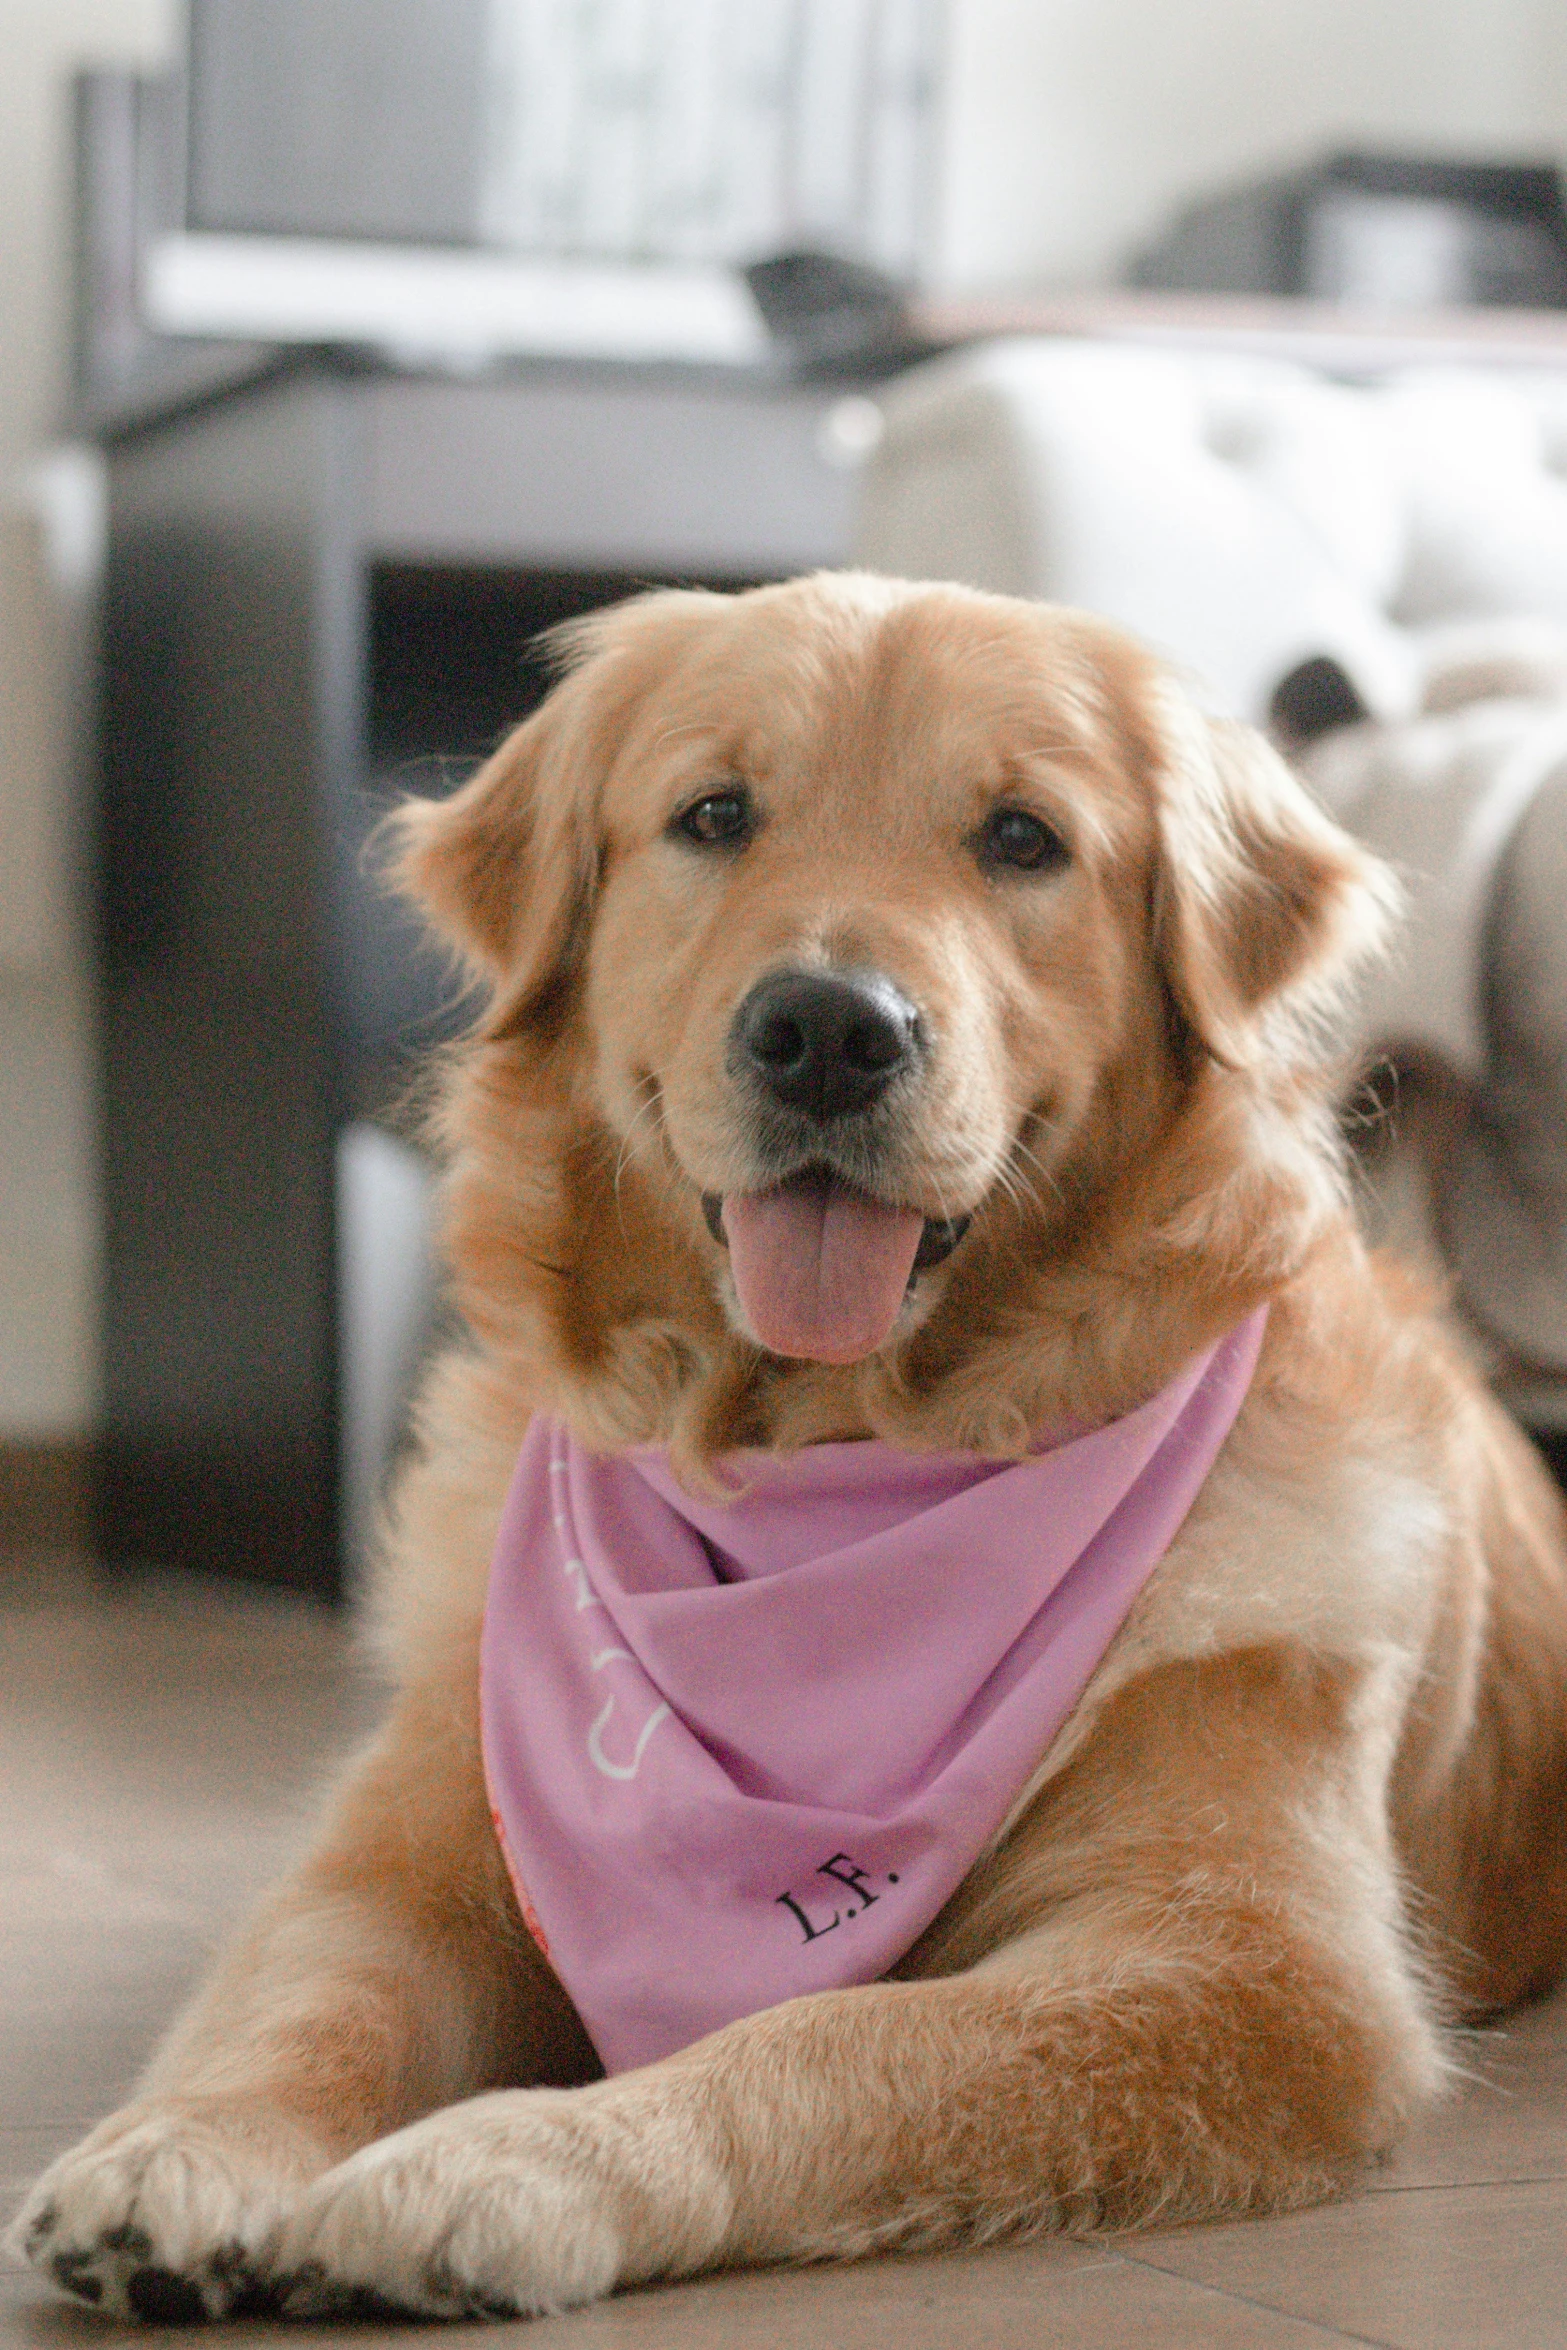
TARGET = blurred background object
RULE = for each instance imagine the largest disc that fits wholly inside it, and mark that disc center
(1381, 232)
(318, 174)
(404, 327)
(673, 130)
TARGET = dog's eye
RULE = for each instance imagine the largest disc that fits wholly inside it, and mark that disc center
(720, 819)
(1021, 841)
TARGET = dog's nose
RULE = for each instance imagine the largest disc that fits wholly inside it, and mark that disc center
(828, 1045)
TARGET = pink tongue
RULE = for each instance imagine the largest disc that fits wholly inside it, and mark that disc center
(821, 1270)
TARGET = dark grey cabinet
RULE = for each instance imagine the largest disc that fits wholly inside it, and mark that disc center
(320, 589)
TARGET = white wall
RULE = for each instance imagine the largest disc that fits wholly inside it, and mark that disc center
(1075, 125)
(48, 1219)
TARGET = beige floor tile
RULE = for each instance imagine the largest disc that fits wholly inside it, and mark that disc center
(1028, 2299)
(1533, 2028)
(159, 1749)
(23, 2154)
(1508, 2120)
(1462, 2268)
(66, 2058)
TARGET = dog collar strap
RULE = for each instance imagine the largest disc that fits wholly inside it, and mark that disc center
(743, 1749)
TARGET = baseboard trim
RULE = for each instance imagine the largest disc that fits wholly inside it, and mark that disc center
(46, 1499)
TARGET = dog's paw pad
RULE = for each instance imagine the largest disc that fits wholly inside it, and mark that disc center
(40, 2228)
(498, 2312)
(127, 2238)
(164, 2299)
(75, 2273)
(310, 2292)
(440, 2291)
(230, 2264)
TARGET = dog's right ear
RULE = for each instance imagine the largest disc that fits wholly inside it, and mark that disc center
(506, 870)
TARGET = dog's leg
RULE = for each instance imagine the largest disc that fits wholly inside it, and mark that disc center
(389, 1977)
(1480, 1791)
(1213, 2015)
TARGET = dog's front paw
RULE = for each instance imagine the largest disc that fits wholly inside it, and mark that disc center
(165, 2212)
(514, 2204)
(490, 2208)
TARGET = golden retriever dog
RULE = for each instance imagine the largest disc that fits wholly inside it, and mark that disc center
(1308, 1811)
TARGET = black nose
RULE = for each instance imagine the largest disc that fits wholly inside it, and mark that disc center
(825, 1045)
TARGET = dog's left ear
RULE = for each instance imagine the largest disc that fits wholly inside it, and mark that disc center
(1259, 897)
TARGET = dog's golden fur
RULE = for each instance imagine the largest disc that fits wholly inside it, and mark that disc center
(1310, 1808)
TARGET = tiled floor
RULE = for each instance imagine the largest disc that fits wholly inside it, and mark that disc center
(157, 1749)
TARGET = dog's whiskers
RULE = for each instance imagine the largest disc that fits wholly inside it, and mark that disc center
(652, 1107)
(1019, 1189)
(1047, 1175)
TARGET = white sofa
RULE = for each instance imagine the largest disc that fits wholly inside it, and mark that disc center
(1378, 570)
(1244, 514)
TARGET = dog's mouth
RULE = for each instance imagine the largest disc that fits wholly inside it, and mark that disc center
(821, 1268)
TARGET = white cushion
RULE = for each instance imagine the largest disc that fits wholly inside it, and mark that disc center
(1241, 514)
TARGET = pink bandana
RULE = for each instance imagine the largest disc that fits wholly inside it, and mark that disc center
(741, 1750)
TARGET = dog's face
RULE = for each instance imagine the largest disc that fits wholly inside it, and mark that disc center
(876, 929)
(857, 948)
